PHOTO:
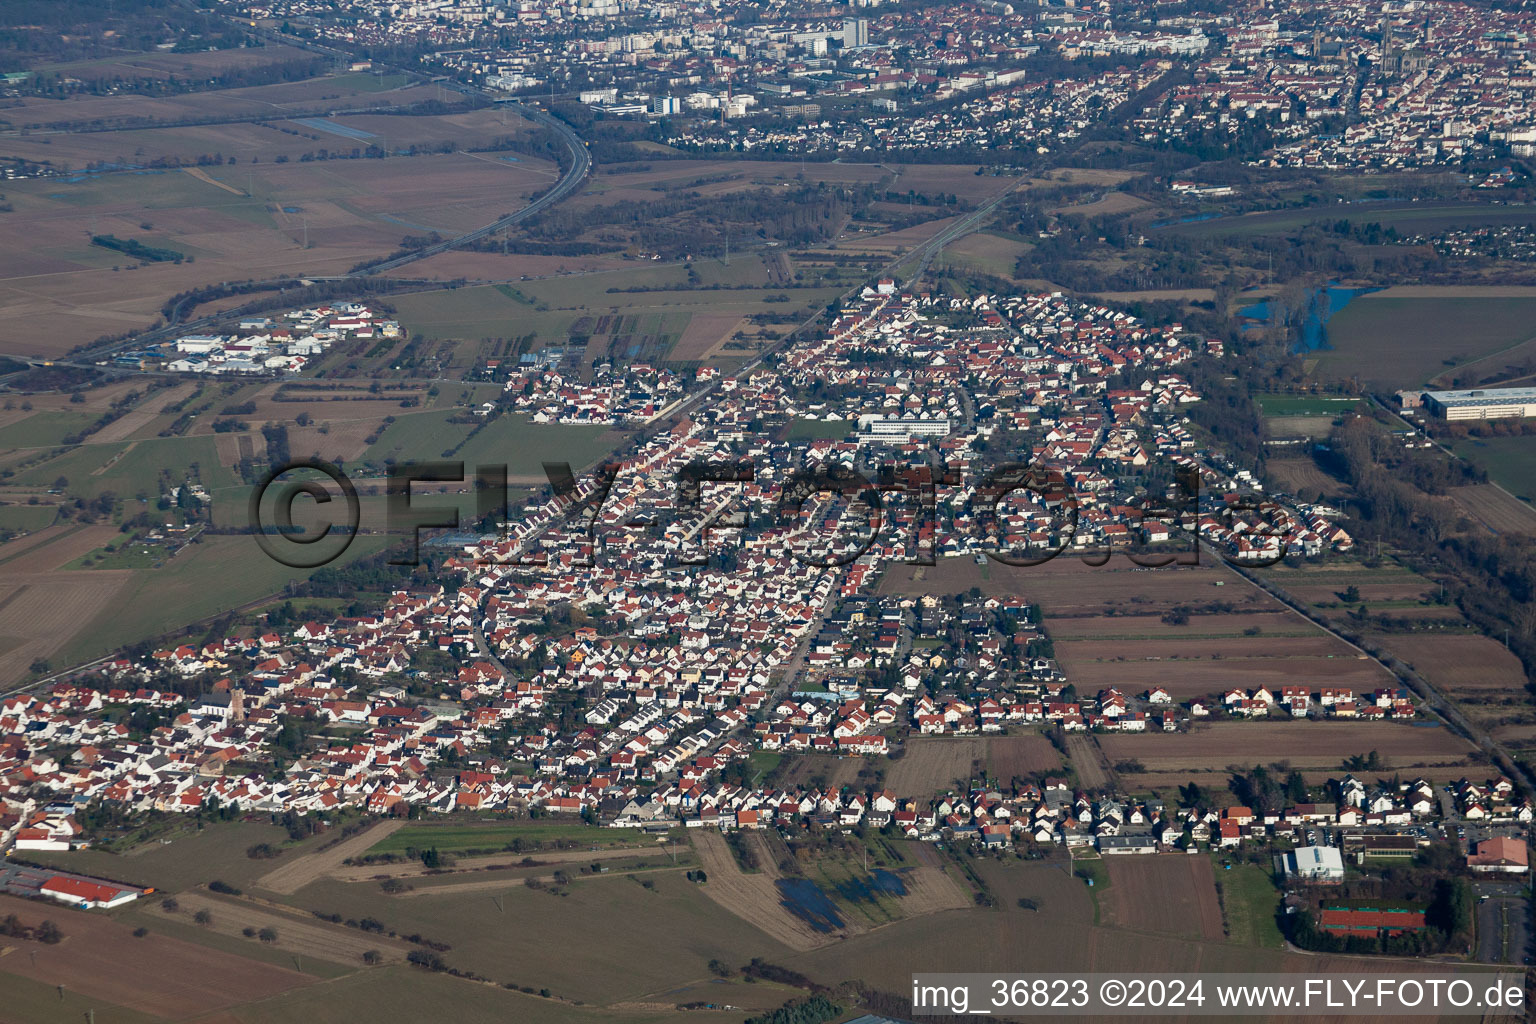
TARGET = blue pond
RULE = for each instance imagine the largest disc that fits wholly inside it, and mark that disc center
(1193, 218)
(865, 890)
(323, 125)
(810, 902)
(1314, 330)
(804, 899)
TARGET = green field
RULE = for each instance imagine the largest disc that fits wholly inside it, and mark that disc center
(819, 430)
(1250, 901)
(509, 440)
(456, 838)
(127, 468)
(1510, 461)
(600, 939)
(192, 857)
(27, 517)
(1304, 405)
(37, 1002)
(1391, 343)
(1408, 218)
(211, 576)
(44, 429)
(478, 312)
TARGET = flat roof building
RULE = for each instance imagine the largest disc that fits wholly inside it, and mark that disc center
(1482, 403)
(1313, 863)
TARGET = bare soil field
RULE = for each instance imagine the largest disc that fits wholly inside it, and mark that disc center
(294, 875)
(1495, 508)
(1134, 624)
(1459, 663)
(237, 224)
(14, 549)
(1173, 893)
(753, 898)
(1021, 754)
(1215, 779)
(1112, 202)
(934, 764)
(932, 888)
(297, 931)
(62, 549)
(901, 240)
(959, 179)
(41, 612)
(1087, 761)
(1304, 744)
(838, 772)
(133, 420)
(160, 976)
(315, 94)
(1199, 668)
(1298, 475)
(493, 266)
(1068, 586)
(705, 334)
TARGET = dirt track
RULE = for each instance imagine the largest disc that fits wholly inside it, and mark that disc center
(289, 878)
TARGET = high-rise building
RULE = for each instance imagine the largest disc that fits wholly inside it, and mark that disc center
(855, 33)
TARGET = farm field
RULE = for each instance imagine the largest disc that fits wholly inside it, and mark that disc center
(1173, 893)
(510, 441)
(1305, 744)
(1196, 667)
(1066, 586)
(1510, 461)
(531, 837)
(935, 764)
(1408, 218)
(1389, 341)
(191, 858)
(41, 611)
(986, 253)
(1003, 938)
(154, 975)
(264, 220)
(1020, 755)
(297, 933)
(1298, 476)
(752, 897)
(1495, 508)
(195, 585)
(646, 937)
(405, 995)
(1477, 672)
(1459, 664)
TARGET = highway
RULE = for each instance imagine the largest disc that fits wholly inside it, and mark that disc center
(581, 165)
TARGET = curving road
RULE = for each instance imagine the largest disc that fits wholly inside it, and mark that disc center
(581, 165)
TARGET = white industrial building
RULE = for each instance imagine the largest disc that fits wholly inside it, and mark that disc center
(894, 430)
(1482, 403)
(1312, 863)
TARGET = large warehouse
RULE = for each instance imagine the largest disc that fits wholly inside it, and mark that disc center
(1482, 403)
